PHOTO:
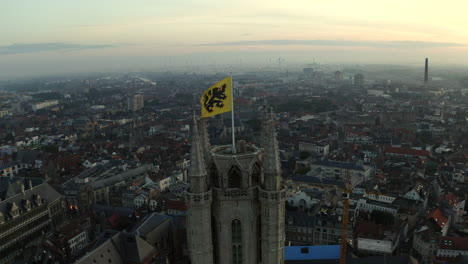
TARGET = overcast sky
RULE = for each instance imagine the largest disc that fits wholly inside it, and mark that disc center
(38, 37)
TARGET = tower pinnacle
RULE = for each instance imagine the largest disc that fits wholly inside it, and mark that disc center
(197, 172)
(272, 165)
(204, 139)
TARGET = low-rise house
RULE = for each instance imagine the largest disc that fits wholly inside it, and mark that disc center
(320, 148)
(140, 199)
(299, 227)
(379, 239)
(426, 243)
(338, 170)
(452, 247)
(369, 205)
(328, 226)
(176, 207)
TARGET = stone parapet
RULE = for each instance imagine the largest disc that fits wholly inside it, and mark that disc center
(272, 196)
(235, 194)
(194, 199)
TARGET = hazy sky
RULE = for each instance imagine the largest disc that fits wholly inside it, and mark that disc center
(65, 35)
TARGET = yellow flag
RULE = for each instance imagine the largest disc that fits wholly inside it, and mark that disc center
(217, 99)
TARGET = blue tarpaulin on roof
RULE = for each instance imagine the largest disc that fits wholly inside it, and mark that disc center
(312, 252)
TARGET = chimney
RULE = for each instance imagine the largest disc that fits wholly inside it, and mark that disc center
(426, 71)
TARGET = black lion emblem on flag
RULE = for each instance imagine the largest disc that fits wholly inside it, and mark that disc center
(214, 98)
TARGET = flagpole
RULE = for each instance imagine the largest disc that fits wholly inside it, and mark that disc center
(232, 117)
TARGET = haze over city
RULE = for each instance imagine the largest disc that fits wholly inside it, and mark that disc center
(52, 36)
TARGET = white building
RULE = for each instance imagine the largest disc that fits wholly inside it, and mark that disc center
(304, 198)
(152, 204)
(44, 104)
(4, 112)
(337, 170)
(140, 199)
(78, 242)
(368, 205)
(320, 148)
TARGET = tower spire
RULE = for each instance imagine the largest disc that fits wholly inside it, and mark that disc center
(197, 172)
(271, 162)
(204, 140)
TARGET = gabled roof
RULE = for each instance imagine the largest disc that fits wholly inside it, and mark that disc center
(149, 223)
(40, 189)
(438, 217)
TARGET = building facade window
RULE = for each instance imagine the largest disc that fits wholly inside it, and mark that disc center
(256, 175)
(214, 238)
(236, 237)
(214, 176)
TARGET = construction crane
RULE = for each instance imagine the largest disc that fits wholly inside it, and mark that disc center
(345, 220)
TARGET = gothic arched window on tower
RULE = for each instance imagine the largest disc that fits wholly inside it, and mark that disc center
(236, 232)
(214, 179)
(235, 178)
(259, 239)
(214, 238)
(256, 174)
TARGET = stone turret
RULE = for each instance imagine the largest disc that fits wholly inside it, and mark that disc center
(272, 196)
(271, 161)
(197, 171)
(204, 139)
(198, 199)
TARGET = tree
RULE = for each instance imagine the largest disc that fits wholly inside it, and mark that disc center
(302, 169)
(9, 137)
(382, 218)
(50, 148)
(304, 155)
(431, 167)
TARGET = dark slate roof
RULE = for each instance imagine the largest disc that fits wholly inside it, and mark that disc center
(28, 157)
(136, 248)
(119, 248)
(149, 223)
(110, 210)
(317, 180)
(40, 187)
(9, 165)
(338, 164)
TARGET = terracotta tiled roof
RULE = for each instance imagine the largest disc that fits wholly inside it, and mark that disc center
(454, 243)
(177, 205)
(407, 151)
(438, 217)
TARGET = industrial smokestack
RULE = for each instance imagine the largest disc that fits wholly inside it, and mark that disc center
(426, 71)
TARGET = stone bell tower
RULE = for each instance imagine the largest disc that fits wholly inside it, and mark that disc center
(236, 201)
